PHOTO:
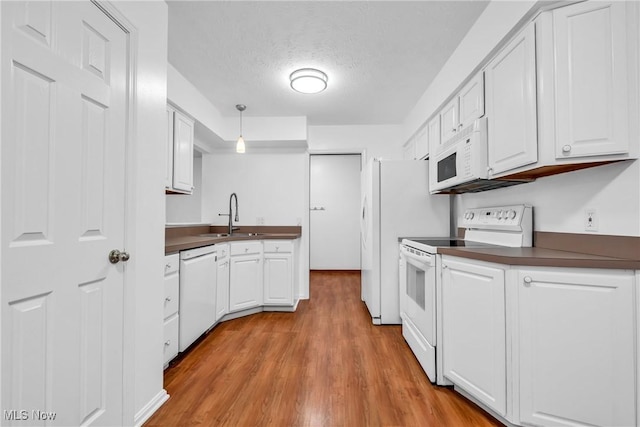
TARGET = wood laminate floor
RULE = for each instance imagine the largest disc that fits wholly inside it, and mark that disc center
(324, 365)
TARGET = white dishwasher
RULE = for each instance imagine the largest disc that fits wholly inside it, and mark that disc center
(198, 272)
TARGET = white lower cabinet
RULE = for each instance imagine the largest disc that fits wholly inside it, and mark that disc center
(542, 346)
(474, 329)
(222, 297)
(245, 287)
(278, 272)
(171, 304)
(576, 347)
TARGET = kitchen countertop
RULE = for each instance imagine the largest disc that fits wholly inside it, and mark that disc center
(543, 257)
(179, 238)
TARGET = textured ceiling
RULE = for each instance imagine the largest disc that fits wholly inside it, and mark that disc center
(380, 56)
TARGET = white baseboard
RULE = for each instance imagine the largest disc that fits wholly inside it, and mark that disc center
(151, 407)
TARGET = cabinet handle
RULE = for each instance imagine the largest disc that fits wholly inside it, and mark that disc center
(168, 299)
(167, 343)
(445, 266)
(454, 130)
(566, 148)
(246, 250)
(527, 281)
(167, 266)
(460, 126)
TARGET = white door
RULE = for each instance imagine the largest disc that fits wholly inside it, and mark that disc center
(591, 79)
(449, 120)
(335, 212)
(474, 325)
(245, 288)
(576, 333)
(64, 110)
(472, 100)
(511, 104)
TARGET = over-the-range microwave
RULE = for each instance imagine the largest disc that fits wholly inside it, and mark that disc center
(460, 164)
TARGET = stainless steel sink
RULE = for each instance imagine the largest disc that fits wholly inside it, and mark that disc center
(214, 235)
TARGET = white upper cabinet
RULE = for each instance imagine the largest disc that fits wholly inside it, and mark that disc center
(591, 79)
(433, 134)
(471, 101)
(409, 150)
(179, 172)
(511, 104)
(449, 120)
(463, 109)
(168, 177)
(422, 144)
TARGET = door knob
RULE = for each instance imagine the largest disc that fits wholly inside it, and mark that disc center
(115, 256)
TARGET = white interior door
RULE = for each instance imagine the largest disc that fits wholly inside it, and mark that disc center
(334, 212)
(64, 108)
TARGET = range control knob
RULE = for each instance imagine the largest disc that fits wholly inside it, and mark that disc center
(471, 215)
(512, 214)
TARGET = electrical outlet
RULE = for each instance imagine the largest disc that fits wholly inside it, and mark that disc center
(260, 220)
(590, 220)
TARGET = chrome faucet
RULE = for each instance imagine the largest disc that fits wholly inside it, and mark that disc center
(230, 214)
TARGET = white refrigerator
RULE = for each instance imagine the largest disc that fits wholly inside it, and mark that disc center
(395, 203)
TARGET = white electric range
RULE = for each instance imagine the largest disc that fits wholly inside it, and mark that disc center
(420, 275)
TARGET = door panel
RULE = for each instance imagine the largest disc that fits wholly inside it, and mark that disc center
(335, 212)
(591, 73)
(511, 105)
(64, 103)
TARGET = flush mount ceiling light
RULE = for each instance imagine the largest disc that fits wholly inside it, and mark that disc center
(308, 80)
(240, 148)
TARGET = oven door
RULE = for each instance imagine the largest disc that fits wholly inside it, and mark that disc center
(418, 306)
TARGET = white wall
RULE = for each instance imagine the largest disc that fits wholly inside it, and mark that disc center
(270, 186)
(559, 201)
(187, 208)
(145, 212)
(383, 141)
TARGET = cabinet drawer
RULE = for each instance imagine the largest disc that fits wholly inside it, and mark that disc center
(170, 338)
(223, 250)
(171, 294)
(278, 246)
(171, 263)
(246, 248)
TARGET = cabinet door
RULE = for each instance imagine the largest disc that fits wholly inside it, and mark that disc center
(474, 328)
(422, 143)
(409, 150)
(168, 177)
(183, 153)
(278, 279)
(449, 120)
(472, 100)
(576, 351)
(245, 287)
(511, 105)
(222, 297)
(433, 135)
(591, 79)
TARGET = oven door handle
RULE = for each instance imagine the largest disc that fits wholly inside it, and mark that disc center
(422, 262)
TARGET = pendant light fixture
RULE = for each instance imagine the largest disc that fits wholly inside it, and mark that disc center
(240, 147)
(308, 80)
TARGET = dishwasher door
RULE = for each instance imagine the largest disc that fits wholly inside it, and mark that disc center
(198, 272)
